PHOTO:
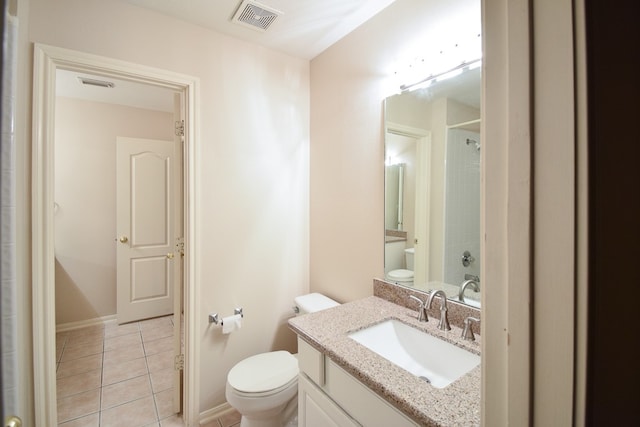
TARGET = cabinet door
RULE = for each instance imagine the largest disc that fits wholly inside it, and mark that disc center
(359, 401)
(315, 409)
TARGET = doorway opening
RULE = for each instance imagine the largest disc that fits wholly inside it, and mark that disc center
(178, 262)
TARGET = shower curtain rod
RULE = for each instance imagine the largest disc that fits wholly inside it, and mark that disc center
(435, 76)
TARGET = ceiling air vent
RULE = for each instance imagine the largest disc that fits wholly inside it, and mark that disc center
(255, 15)
(94, 82)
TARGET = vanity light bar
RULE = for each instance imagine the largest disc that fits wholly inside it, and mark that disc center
(465, 65)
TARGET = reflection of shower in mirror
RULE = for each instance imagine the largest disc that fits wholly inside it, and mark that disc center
(462, 205)
(474, 142)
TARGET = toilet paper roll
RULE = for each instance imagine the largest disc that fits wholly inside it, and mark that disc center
(231, 323)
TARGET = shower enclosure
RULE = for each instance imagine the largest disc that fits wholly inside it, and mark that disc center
(462, 206)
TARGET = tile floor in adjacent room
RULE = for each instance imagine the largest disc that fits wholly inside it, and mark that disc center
(115, 375)
(120, 375)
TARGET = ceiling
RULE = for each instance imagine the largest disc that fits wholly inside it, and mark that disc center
(123, 92)
(304, 29)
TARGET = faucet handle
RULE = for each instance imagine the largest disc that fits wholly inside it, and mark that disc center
(422, 309)
(467, 333)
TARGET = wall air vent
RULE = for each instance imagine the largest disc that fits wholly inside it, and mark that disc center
(255, 15)
(94, 82)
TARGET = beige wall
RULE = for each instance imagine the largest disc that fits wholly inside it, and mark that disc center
(85, 194)
(408, 110)
(253, 161)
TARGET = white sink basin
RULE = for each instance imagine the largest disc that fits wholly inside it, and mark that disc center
(424, 355)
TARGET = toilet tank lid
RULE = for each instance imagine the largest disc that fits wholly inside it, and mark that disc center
(313, 302)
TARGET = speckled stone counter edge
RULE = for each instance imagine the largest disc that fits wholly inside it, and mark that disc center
(455, 405)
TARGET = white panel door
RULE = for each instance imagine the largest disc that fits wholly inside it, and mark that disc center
(145, 226)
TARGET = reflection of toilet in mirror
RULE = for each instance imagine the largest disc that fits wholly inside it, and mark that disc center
(399, 263)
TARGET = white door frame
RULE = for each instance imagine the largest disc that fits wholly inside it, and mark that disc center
(47, 59)
(422, 137)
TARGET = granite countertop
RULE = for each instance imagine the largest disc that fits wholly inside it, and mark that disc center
(455, 405)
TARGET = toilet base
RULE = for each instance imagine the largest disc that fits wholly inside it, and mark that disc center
(287, 417)
(293, 420)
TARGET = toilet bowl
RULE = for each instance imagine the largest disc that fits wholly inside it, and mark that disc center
(264, 388)
(400, 275)
(403, 275)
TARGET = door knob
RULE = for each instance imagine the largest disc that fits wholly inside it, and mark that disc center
(13, 421)
(123, 239)
(170, 255)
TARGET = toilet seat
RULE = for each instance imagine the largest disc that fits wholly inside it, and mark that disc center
(400, 275)
(264, 374)
(293, 383)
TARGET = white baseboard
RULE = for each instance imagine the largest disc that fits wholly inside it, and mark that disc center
(64, 327)
(215, 413)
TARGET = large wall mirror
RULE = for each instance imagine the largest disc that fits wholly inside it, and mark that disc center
(432, 185)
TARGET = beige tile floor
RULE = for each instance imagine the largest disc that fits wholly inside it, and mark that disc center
(115, 375)
(231, 419)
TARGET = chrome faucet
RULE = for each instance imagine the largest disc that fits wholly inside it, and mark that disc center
(443, 325)
(474, 285)
(422, 309)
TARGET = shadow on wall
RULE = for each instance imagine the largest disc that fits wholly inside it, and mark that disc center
(285, 338)
(71, 303)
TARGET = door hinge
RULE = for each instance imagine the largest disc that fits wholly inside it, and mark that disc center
(178, 362)
(179, 128)
(180, 245)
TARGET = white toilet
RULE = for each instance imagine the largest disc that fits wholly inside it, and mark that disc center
(403, 275)
(264, 387)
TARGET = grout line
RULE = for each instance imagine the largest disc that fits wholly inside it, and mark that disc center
(146, 362)
(104, 343)
(102, 385)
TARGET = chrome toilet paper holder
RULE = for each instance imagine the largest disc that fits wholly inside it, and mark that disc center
(215, 318)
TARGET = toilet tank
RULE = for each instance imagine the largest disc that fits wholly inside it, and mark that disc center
(408, 256)
(394, 256)
(311, 303)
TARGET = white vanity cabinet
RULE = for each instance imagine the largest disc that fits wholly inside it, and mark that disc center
(316, 409)
(329, 396)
